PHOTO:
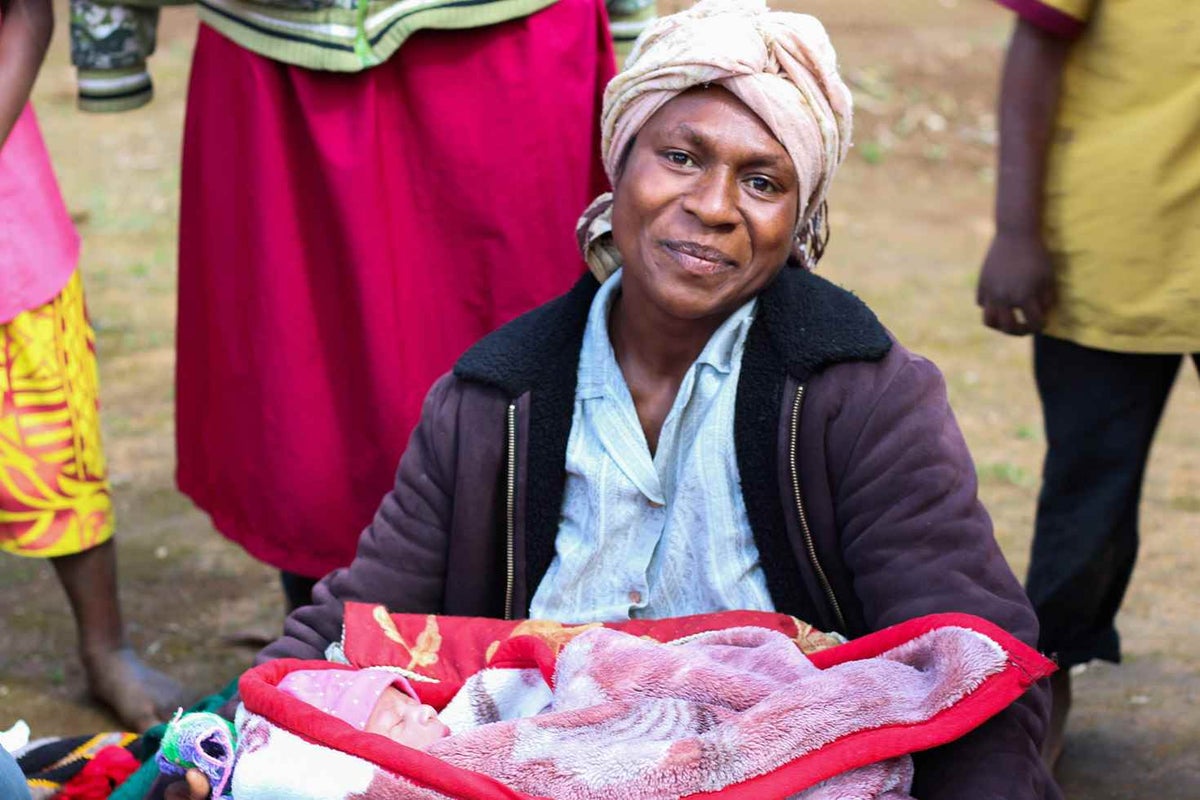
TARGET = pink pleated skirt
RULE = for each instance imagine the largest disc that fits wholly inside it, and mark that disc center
(345, 237)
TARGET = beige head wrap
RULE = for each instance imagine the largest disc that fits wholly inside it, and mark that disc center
(781, 65)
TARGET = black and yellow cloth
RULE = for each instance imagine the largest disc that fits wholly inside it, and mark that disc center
(52, 766)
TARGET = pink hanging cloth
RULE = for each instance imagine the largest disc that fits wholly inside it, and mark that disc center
(39, 247)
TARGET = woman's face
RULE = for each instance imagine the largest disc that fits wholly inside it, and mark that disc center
(705, 208)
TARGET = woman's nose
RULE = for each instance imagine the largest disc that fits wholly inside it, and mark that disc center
(713, 199)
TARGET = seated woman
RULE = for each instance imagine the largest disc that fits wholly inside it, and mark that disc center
(702, 423)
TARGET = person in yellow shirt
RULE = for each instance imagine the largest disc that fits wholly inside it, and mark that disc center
(1097, 254)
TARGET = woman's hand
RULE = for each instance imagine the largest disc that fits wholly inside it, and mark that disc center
(1016, 286)
(194, 786)
(1018, 275)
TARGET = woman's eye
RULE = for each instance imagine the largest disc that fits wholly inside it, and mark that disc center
(679, 158)
(762, 185)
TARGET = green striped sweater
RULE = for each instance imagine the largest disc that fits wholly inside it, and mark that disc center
(111, 41)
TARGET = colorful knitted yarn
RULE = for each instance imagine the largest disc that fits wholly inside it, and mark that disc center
(203, 741)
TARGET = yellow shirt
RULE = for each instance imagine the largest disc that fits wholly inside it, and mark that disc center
(1122, 215)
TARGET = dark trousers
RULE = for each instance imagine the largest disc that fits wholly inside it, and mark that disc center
(297, 589)
(1101, 410)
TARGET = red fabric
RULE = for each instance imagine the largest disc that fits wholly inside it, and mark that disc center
(105, 771)
(1046, 17)
(1025, 667)
(344, 237)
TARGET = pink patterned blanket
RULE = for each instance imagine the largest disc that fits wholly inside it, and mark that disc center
(729, 713)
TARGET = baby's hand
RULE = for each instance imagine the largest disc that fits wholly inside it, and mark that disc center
(194, 786)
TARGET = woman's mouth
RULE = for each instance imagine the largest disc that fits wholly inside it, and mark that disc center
(697, 258)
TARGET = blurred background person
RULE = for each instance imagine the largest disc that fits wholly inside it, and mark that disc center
(1097, 254)
(54, 491)
(355, 191)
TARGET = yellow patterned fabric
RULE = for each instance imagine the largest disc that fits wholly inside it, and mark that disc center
(54, 496)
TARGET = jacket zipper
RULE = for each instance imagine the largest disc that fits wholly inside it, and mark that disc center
(510, 549)
(804, 529)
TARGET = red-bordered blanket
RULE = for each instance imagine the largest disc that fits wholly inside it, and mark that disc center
(732, 705)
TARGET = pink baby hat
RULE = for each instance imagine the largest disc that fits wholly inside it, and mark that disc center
(349, 695)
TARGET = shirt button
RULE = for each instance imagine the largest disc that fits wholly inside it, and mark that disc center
(635, 597)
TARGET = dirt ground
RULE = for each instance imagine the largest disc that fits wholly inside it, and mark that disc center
(911, 220)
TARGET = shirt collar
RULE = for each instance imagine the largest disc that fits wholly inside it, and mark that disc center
(727, 342)
(598, 362)
(596, 356)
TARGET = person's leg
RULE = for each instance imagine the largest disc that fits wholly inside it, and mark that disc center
(12, 782)
(140, 696)
(297, 589)
(54, 501)
(1101, 410)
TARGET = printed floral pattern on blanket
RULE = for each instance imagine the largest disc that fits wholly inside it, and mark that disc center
(442, 652)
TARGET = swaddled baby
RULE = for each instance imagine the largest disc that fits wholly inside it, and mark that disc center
(372, 700)
(613, 714)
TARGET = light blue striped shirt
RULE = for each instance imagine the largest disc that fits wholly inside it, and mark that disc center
(653, 536)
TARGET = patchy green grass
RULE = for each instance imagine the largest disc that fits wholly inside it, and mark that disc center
(1005, 472)
(872, 152)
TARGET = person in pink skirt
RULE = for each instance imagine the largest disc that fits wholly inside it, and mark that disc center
(54, 491)
(358, 207)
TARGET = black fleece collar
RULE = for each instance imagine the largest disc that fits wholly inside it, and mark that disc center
(811, 322)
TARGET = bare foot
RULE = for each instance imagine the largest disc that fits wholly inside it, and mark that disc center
(139, 696)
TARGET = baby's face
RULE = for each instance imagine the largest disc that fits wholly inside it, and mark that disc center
(404, 720)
